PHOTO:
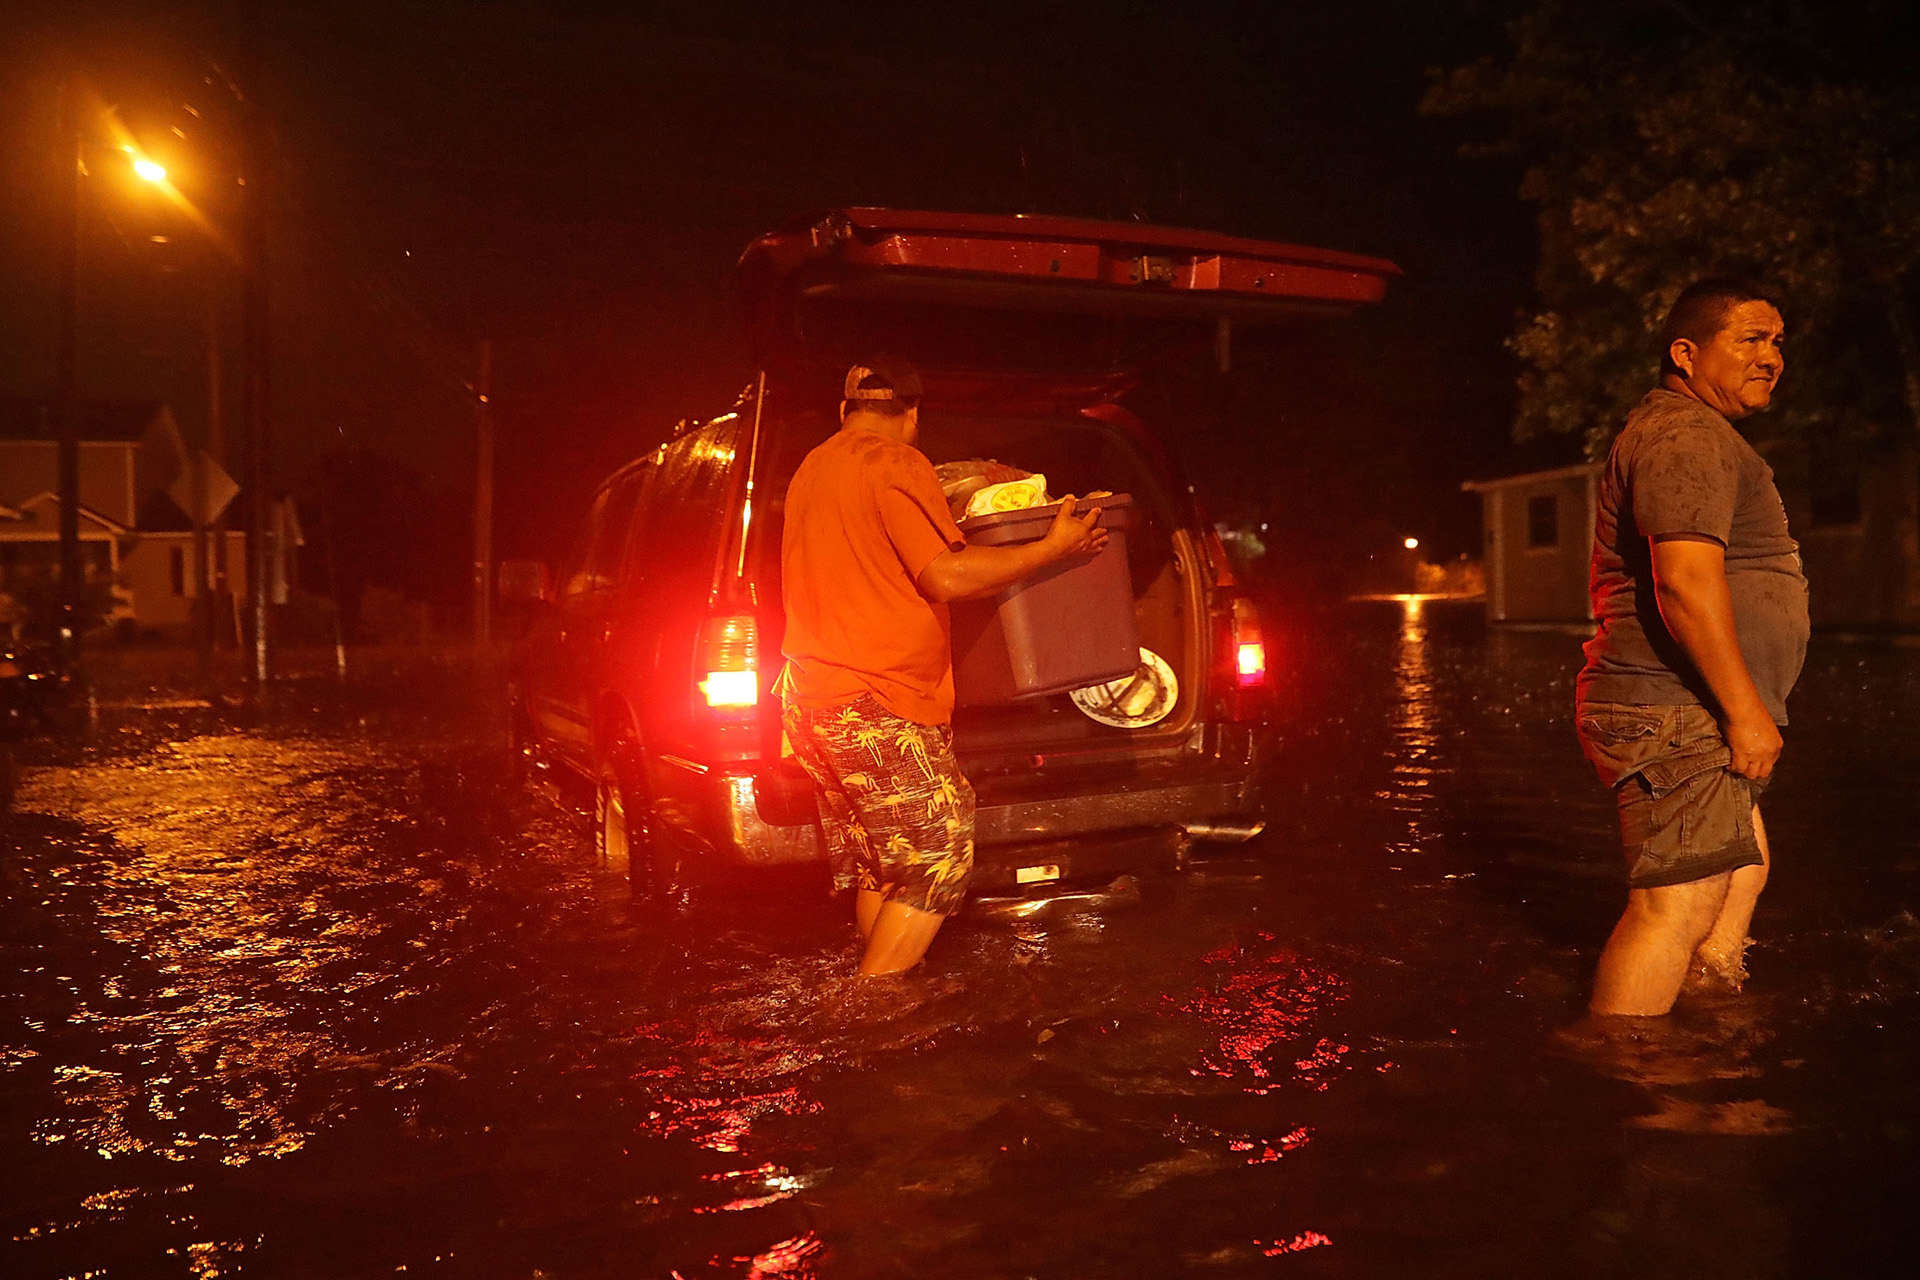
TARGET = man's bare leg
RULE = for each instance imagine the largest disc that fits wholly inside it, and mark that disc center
(900, 937)
(866, 909)
(1646, 958)
(1720, 956)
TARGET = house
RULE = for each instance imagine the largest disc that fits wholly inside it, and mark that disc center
(1538, 535)
(1856, 518)
(132, 533)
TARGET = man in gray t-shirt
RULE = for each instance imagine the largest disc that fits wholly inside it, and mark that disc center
(1702, 614)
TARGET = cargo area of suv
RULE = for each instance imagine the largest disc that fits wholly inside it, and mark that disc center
(650, 673)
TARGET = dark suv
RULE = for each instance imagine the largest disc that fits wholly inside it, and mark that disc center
(648, 669)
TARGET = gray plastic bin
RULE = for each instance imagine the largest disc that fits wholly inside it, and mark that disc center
(1068, 626)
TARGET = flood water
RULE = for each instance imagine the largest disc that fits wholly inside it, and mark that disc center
(317, 994)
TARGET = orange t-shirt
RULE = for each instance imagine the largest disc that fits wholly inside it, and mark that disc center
(864, 516)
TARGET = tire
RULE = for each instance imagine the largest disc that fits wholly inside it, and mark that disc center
(623, 834)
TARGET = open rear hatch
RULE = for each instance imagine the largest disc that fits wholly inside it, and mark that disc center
(1027, 332)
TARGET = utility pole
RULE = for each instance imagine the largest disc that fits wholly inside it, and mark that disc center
(204, 557)
(255, 347)
(67, 375)
(483, 505)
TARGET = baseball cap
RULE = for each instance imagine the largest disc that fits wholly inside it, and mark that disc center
(883, 378)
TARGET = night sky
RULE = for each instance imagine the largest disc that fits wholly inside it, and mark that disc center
(575, 181)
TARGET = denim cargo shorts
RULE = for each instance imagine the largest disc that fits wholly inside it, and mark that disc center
(1684, 815)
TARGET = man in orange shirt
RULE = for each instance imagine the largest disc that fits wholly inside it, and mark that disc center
(870, 556)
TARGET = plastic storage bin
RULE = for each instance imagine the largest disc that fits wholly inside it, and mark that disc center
(1068, 626)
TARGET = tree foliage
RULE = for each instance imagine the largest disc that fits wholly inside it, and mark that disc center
(1664, 141)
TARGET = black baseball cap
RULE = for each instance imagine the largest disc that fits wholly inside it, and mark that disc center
(883, 378)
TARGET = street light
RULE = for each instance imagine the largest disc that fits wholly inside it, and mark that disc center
(1411, 544)
(81, 115)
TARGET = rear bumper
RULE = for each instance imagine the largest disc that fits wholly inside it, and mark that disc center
(765, 817)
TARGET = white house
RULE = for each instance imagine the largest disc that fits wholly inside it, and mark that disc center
(132, 533)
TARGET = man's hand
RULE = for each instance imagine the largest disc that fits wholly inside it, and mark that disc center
(1069, 535)
(975, 572)
(1756, 745)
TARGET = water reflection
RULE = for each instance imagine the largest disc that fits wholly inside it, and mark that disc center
(1702, 1137)
(478, 1063)
(1416, 726)
(1270, 1005)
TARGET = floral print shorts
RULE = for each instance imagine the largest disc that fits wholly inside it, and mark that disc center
(896, 812)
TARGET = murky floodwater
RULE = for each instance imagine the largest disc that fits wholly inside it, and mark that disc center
(320, 996)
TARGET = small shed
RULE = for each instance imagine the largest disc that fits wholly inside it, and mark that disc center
(1538, 532)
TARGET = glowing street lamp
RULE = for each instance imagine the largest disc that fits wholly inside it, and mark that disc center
(1410, 544)
(149, 170)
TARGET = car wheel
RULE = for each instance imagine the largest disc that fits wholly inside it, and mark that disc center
(624, 839)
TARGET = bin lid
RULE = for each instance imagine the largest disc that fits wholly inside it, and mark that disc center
(1114, 513)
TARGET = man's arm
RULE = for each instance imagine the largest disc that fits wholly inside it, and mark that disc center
(973, 572)
(1690, 586)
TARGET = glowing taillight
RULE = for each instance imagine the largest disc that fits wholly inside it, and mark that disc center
(1249, 646)
(731, 688)
(1248, 689)
(729, 658)
(1252, 656)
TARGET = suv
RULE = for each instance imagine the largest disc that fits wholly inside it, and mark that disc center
(648, 669)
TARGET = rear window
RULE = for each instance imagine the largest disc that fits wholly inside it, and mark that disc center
(676, 533)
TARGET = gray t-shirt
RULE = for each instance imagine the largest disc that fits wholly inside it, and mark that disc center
(1681, 468)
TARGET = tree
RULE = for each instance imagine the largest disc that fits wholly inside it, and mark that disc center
(1666, 141)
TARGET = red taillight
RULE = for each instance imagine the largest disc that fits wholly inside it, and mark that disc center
(1246, 689)
(729, 662)
(1252, 657)
(1249, 646)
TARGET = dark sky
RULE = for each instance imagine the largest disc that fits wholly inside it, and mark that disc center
(575, 181)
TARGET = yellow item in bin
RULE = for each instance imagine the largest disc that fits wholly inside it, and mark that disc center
(1013, 495)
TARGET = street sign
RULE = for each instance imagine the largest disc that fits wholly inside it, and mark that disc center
(203, 488)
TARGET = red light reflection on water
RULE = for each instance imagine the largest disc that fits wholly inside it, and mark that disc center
(1266, 1003)
(1305, 1240)
(794, 1258)
(719, 1124)
(1270, 1151)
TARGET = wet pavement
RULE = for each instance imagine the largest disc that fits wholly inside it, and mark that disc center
(315, 992)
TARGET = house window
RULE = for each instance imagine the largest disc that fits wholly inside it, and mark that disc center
(1543, 521)
(177, 569)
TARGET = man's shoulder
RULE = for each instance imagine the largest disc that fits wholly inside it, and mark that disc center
(1661, 412)
(868, 451)
(1667, 423)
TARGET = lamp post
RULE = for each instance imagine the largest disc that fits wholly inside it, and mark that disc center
(67, 379)
(73, 140)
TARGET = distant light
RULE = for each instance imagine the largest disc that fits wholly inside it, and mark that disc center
(1410, 543)
(151, 170)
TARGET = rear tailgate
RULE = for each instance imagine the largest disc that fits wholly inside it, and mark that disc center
(1019, 263)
